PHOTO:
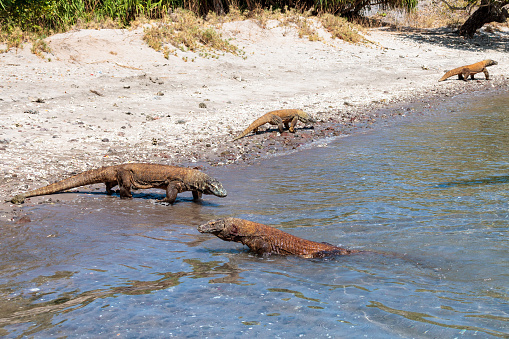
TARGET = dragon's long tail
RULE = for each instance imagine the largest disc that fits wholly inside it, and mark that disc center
(255, 124)
(451, 73)
(267, 118)
(94, 176)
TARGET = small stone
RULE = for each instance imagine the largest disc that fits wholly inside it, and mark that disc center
(23, 220)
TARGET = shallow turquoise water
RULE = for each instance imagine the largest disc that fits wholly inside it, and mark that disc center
(430, 193)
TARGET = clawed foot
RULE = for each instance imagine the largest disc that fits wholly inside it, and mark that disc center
(169, 201)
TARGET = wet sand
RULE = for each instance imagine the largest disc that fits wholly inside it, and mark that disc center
(107, 98)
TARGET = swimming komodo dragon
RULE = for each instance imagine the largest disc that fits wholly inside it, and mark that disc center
(173, 179)
(283, 117)
(464, 72)
(264, 240)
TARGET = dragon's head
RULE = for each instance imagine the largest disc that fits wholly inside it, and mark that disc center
(222, 228)
(213, 186)
(305, 117)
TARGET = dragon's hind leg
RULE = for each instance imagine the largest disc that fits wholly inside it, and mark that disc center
(171, 193)
(276, 120)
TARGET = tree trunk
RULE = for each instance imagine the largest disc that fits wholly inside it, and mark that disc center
(218, 7)
(489, 11)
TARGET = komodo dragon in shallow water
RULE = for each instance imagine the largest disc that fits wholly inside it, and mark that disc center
(464, 71)
(173, 179)
(264, 239)
(283, 117)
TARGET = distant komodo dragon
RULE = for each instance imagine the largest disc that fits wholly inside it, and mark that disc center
(283, 117)
(173, 179)
(464, 72)
(265, 240)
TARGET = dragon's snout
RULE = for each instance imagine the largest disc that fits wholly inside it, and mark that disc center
(213, 226)
(216, 188)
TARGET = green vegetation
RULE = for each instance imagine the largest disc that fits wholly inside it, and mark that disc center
(59, 15)
(186, 25)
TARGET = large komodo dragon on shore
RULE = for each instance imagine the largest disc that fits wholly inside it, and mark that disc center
(173, 179)
(464, 72)
(283, 117)
(264, 239)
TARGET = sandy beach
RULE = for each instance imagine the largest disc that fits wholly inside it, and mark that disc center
(103, 97)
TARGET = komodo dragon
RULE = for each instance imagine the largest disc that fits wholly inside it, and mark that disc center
(464, 71)
(264, 239)
(286, 117)
(173, 179)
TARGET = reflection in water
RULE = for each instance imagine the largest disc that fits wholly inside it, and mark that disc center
(40, 313)
(426, 318)
(295, 293)
(482, 181)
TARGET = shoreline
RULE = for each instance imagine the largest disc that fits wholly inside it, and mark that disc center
(83, 111)
(270, 143)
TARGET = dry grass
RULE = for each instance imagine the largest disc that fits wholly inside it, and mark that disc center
(235, 14)
(340, 28)
(39, 47)
(306, 29)
(187, 32)
(303, 22)
(14, 39)
(98, 23)
(184, 31)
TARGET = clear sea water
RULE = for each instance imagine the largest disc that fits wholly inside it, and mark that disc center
(428, 195)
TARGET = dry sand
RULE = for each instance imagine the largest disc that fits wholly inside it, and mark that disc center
(107, 98)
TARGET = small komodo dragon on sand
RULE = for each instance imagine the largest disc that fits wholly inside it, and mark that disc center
(464, 71)
(264, 239)
(173, 179)
(283, 117)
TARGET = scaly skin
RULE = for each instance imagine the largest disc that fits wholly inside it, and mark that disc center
(464, 72)
(283, 117)
(173, 179)
(264, 239)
